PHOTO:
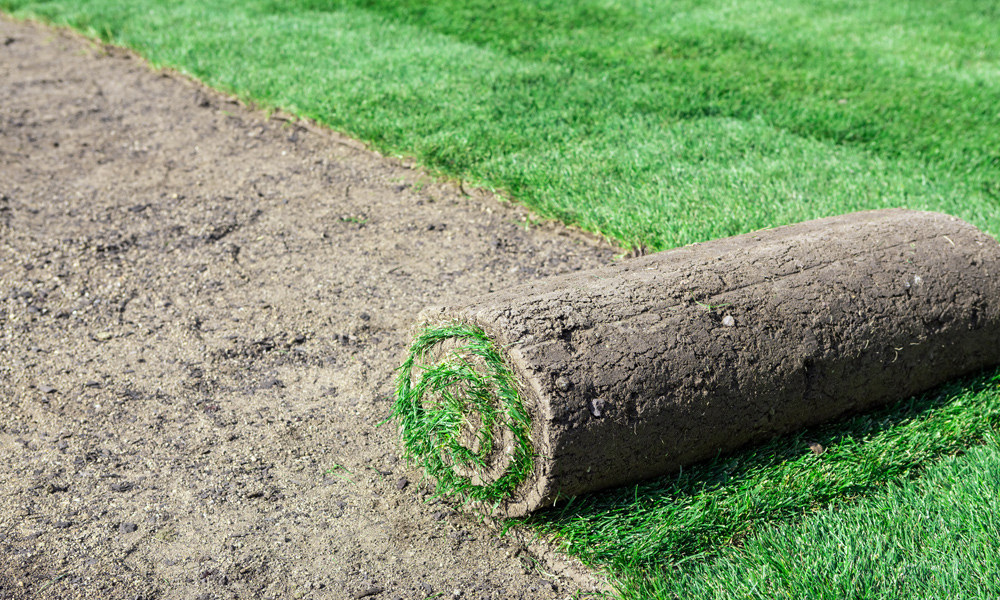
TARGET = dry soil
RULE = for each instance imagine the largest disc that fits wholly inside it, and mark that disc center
(201, 310)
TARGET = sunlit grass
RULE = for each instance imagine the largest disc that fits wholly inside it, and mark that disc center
(935, 537)
(655, 123)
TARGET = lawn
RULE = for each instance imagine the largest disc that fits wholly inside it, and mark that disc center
(658, 124)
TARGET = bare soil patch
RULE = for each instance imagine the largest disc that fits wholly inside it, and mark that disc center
(201, 310)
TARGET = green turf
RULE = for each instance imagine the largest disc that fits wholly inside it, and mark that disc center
(936, 537)
(658, 124)
(655, 123)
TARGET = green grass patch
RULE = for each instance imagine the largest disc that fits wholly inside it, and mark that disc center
(453, 407)
(936, 537)
(655, 123)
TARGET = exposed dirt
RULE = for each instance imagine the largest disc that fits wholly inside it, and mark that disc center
(201, 310)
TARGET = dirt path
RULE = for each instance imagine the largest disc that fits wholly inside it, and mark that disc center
(200, 314)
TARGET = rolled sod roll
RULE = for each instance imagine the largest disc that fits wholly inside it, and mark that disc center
(517, 399)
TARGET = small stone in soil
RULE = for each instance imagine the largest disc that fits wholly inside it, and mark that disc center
(127, 527)
(269, 383)
(372, 591)
(440, 515)
(728, 321)
(46, 389)
(52, 487)
(123, 486)
(402, 483)
(426, 587)
(61, 524)
(597, 407)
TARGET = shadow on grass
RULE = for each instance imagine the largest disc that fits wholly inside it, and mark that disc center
(702, 510)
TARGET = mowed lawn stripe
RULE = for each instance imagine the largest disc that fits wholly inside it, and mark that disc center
(656, 125)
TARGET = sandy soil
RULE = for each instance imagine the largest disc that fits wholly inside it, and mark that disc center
(200, 313)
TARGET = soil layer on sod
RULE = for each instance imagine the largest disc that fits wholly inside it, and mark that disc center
(631, 371)
(201, 310)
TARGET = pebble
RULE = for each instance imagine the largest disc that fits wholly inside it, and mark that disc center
(270, 382)
(372, 591)
(52, 487)
(563, 384)
(402, 483)
(127, 527)
(597, 407)
(728, 321)
(61, 524)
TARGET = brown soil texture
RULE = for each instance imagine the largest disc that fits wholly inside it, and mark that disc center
(638, 369)
(201, 311)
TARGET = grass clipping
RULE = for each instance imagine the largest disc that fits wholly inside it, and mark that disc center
(461, 417)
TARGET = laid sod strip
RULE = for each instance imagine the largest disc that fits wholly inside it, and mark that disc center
(657, 124)
(453, 415)
(667, 523)
(641, 368)
(933, 537)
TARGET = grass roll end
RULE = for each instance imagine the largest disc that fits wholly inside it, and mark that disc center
(460, 415)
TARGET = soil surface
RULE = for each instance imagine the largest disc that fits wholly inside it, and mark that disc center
(201, 311)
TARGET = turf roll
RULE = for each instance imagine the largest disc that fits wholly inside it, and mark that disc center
(523, 398)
